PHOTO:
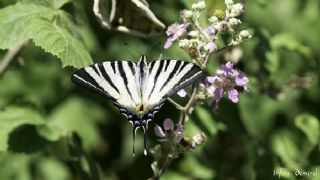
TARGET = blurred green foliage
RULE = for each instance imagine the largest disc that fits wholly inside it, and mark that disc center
(274, 128)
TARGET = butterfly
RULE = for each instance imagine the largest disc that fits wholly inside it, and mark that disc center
(138, 90)
(129, 16)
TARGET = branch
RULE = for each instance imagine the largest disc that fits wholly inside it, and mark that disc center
(178, 106)
(189, 105)
(10, 55)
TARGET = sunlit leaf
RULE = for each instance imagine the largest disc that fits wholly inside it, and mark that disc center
(13, 117)
(13, 19)
(58, 41)
(309, 125)
(74, 115)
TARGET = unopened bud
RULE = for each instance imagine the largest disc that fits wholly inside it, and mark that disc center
(199, 138)
(245, 34)
(219, 13)
(186, 14)
(200, 5)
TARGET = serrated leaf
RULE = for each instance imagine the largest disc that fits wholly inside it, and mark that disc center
(13, 117)
(309, 125)
(12, 22)
(59, 42)
(73, 115)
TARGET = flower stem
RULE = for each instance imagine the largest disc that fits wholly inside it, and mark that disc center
(186, 109)
(178, 106)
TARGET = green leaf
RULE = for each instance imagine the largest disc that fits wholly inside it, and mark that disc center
(204, 121)
(309, 125)
(285, 144)
(12, 22)
(190, 165)
(13, 117)
(51, 169)
(74, 115)
(290, 42)
(58, 41)
(55, 4)
(15, 165)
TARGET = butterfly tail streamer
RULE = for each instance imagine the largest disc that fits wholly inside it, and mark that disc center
(145, 130)
(135, 128)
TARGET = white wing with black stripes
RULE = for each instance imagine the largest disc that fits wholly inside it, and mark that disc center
(138, 90)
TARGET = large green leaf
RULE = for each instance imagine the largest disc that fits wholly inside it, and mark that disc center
(13, 117)
(58, 41)
(74, 115)
(13, 19)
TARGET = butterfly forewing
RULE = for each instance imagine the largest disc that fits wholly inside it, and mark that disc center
(113, 79)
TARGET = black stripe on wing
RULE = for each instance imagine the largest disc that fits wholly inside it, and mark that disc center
(95, 78)
(82, 78)
(194, 74)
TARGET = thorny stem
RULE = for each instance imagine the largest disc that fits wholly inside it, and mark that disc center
(10, 55)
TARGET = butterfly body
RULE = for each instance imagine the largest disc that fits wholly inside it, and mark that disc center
(138, 90)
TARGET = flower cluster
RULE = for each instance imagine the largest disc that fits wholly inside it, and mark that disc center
(228, 80)
(200, 42)
(168, 133)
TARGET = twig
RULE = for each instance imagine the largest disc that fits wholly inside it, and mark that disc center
(10, 55)
(191, 102)
(178, 106)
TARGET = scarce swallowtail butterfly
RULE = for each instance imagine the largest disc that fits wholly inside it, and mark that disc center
(138, 90)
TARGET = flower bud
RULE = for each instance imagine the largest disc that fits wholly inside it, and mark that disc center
(199, 138)
(183, 43)
(245, 34)
(237, 9)
(193, 34)
(193, 52)
(234, 21)
(200, 5)
(219, 14)
(210, 47)
(228, 2)
(186, 14)
(224, 27)
(213, 19)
